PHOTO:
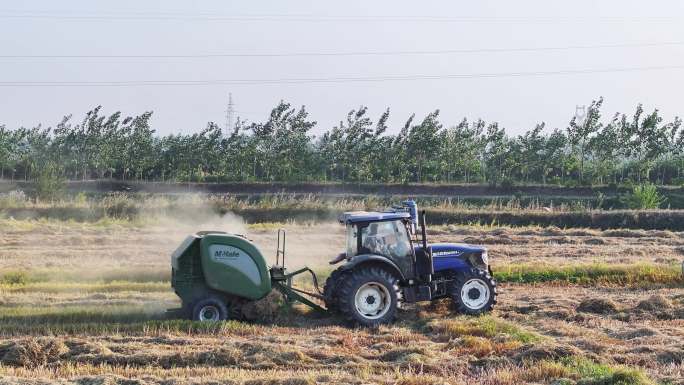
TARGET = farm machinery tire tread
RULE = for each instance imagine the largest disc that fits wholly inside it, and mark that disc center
(329, 294)
(214, 304)
(346, 292)
(479, 275)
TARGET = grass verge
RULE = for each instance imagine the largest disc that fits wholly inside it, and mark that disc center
(640, 274)
(588, 372)
(482, 326)
(53, 287)
(139, 324)
(66, 275)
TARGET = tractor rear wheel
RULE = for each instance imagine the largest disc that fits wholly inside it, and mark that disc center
(474, 292)
(368, 296)
(329, 293)
(211, 308)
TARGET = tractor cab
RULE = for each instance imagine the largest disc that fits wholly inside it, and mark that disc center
(370, 234)
(390, 237)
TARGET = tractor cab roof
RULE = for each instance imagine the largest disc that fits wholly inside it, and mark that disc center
(372, 216)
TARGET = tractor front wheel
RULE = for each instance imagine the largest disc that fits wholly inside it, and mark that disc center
(368, 296)
(210, 309)
(474, 292)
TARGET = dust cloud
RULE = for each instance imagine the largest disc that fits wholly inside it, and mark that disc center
(140, 251)
(306, 244)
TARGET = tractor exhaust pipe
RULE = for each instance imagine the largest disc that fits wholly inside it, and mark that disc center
(412, 208)
(422, 229)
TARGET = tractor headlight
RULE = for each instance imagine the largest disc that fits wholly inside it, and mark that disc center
(485, 258)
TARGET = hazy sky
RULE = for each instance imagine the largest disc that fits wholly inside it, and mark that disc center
(166, 27)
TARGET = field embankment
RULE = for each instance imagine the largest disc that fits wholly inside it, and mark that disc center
(476, 194)
(629, 219)
(335, 188)
(303, 208)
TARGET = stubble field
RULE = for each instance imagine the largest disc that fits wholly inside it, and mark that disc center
(85, 303)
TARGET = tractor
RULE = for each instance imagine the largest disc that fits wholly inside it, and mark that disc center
(389, 262)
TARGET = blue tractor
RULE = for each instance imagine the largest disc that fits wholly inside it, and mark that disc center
(388, 261)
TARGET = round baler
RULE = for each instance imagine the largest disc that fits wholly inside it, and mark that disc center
(216, 273)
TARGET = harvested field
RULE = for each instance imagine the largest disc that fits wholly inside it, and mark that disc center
(84, 303)
(114, 251)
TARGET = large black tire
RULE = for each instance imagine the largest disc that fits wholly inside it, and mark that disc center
(212, 308)
(474, 292)
(368, 296)
(329, 294)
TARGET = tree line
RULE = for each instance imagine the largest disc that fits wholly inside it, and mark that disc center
(639, 148)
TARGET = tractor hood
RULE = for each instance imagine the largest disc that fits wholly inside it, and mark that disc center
(454, 249)
(458, 256)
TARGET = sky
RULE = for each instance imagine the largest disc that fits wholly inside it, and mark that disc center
(516, 62)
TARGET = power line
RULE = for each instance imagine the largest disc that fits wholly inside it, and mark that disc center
(210, 82)
(351, 53)
(184, 16)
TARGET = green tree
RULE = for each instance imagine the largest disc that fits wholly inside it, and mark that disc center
(639, 147)
(422, 143)
(495, 153)
(461, 147)
(6, 148)
(375, 151)
(50, 183)
(531, 153)
(139, 154)
(605, 146)
(283, 143)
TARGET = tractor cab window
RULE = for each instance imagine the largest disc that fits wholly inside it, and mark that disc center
(386, 238)
(351, 240)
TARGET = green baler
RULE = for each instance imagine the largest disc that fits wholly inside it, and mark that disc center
(216, 273)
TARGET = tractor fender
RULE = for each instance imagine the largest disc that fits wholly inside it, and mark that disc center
(374, 259)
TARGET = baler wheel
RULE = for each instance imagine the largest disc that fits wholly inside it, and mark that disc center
(211, 308)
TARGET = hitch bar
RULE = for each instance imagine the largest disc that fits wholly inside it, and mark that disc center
(283, 282)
